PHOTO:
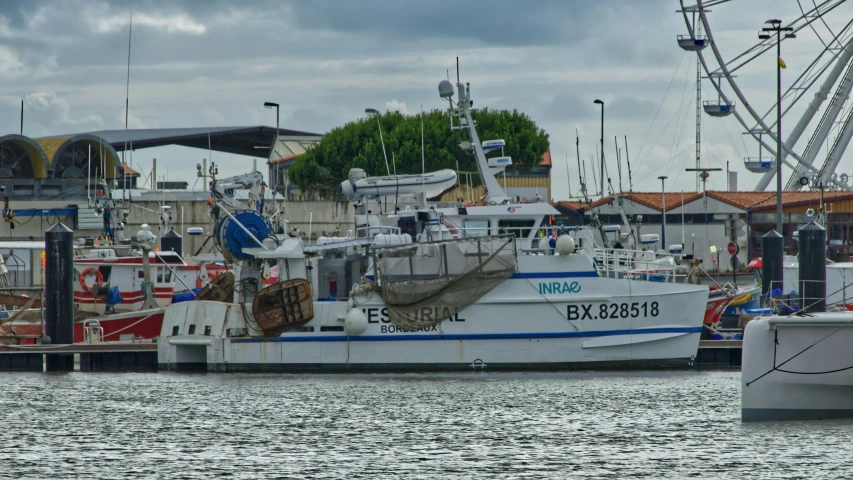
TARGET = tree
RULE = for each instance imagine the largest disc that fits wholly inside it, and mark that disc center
(357, 145)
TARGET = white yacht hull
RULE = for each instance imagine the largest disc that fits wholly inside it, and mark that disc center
(797, 389)
(543, 320)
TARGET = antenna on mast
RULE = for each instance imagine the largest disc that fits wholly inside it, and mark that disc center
(581, 173)
(457, 69)
(126, 108)
(628, 161)
(618, 162)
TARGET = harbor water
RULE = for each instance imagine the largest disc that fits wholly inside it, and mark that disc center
(471, 425)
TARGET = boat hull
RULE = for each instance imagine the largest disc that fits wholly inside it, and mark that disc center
(550, 320)
(142, 325)
(807, 383)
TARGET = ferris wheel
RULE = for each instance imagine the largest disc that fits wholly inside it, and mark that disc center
(817, 117)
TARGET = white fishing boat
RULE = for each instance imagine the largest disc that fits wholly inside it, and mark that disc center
(798, 367)
(467, 287)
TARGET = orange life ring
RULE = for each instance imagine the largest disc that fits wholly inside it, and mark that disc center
(99, 278)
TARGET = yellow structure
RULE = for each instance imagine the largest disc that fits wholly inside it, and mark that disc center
(522, 184)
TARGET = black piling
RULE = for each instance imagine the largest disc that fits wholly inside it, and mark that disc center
(59, 294)
(812, 279)
(171, 242)
(771, 261)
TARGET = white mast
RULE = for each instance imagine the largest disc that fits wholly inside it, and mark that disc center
(493, 191)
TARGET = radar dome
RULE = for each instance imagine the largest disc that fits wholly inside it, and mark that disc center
(565, 245)
(356, 174)
(445, 89)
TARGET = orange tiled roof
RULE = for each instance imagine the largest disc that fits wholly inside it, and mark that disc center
(742, 200)
(129, 171)
(546, 159)
(653, 200)
(576, 206)
(284, 159)
(791, 199)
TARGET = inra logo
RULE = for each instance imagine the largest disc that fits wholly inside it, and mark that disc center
(559, 287)
(510, 209)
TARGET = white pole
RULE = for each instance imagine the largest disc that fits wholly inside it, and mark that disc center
(182, 230)
(88, 177)
(310, 223)
(682, 220)
(423, 162)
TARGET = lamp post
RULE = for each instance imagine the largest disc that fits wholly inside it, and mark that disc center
(777, 28)
(601, 102)
(663, 211)
(272, 150)
(373, 111)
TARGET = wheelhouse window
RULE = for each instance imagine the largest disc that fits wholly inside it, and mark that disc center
(520, 228)
(476, 228)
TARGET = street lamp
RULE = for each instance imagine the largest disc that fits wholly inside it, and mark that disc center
(663, 210)
(272, 149)
(600, 102)
(373, 111)
(777, 28)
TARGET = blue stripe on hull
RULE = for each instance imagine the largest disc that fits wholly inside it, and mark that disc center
(392, 337)
(520, 275)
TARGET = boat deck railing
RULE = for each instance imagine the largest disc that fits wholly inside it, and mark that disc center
(637, 264)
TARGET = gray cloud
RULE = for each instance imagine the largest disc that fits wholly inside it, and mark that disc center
(197, 63)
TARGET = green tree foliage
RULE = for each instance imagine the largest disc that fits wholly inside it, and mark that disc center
(357, 145)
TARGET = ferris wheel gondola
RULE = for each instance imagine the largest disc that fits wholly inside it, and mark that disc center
(825, 82)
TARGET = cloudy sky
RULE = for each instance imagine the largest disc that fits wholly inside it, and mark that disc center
(214, 63)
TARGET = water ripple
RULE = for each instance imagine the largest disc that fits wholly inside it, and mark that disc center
(477, 425)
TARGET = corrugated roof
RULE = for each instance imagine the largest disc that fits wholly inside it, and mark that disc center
(253, 141)
(140, 135)
(50, 145)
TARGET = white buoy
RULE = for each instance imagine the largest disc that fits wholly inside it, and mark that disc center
(355, 322)
(565, 245)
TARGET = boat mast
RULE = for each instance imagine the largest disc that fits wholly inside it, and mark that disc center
(494, 193)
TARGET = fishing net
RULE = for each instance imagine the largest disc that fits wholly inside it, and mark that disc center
(426, 283)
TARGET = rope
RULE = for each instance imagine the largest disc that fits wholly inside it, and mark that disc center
(776, 343)
(565, 317)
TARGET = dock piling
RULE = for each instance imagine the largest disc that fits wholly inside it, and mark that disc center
(812, 266)
(59, 294)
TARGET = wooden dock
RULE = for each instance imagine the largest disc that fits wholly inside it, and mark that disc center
(97, 357)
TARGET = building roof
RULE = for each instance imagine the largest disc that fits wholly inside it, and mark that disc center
(287, 161)
(795, 199)
(252, 141)
(653, 200)
(546, 159)
(742, 200)
(128, 171)
(576, 206)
